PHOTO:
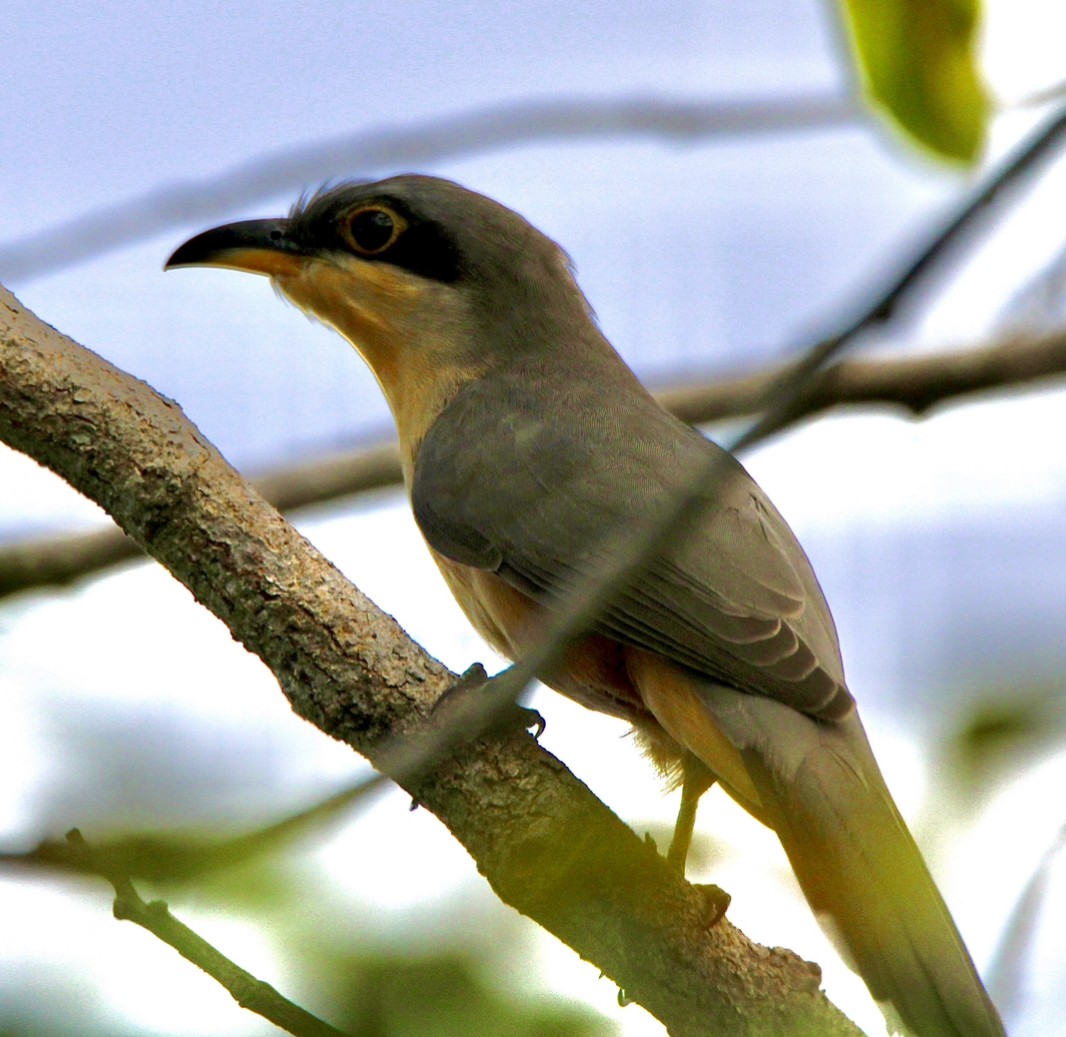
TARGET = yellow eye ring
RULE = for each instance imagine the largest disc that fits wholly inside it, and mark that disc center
(372, 229)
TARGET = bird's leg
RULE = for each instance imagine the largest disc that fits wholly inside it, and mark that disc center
(696, 780)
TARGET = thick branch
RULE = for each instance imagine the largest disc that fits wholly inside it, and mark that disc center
(546, 845)
(915, 384)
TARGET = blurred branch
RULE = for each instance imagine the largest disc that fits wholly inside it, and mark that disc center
(915, 384)
(416, 145)
(1024, 160)
(250, 993)
(545, 844)
(181, 856)
(58, 560)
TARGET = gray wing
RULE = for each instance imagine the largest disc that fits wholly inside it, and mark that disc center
(540, 497)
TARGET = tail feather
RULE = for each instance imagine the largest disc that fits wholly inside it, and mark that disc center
(857, 864)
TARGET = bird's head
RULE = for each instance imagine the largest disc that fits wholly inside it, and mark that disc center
(432, 283)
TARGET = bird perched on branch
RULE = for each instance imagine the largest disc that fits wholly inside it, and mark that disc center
(529, 449)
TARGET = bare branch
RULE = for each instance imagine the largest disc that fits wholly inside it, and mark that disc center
(248, 991)
(546, 845)
(58, 560)
(917, 384)
(416, 145)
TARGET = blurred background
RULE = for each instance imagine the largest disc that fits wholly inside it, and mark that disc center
(939, 542)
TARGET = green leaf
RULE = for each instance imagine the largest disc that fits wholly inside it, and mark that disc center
(917, 60)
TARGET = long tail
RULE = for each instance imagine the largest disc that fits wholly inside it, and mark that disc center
(859, 868)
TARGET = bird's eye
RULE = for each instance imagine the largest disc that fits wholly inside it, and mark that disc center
(371, 230)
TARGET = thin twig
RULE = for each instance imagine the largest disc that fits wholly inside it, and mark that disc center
(1024, 159)
(414, 145)
(248, 991)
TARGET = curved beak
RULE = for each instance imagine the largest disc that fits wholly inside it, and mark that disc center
(254, 246)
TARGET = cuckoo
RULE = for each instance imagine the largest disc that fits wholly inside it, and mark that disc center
(529, 448)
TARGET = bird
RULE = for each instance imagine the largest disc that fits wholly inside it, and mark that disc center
(529, 448)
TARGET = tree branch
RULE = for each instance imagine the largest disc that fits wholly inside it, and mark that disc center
(248, 991)
(54, 561)
(545, 844)
(917, 385)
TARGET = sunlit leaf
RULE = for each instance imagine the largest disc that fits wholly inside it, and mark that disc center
(917, 61)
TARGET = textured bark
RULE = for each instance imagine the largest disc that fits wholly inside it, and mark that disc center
(543, 841)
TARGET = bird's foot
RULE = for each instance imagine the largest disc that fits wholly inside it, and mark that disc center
(716, 899)
(461, 699)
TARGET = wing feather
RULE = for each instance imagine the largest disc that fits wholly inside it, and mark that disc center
(546, 495)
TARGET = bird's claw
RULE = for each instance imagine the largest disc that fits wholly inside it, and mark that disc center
(506, 720)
